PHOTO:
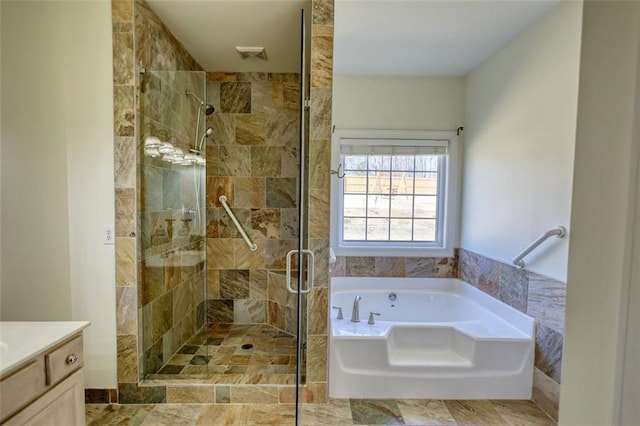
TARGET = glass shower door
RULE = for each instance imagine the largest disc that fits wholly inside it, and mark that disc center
(305, 259)
(172, 274)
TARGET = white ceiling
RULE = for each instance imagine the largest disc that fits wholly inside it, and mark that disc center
(375, 37)
(211, 30)
(435, 38)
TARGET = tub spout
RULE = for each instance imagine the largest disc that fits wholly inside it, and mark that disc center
(355, 315)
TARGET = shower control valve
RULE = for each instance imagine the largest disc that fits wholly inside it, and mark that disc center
(187, 213)
(340, 316)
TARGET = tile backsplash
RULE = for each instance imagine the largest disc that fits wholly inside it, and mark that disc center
(410, 267)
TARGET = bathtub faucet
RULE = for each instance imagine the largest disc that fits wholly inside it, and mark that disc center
(355, 316)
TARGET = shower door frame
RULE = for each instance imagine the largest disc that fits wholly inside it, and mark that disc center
(305, 256)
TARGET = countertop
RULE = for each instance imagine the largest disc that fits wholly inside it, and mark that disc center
(19, 341)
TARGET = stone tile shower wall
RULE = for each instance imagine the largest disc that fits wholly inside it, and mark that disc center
(171, 291)
(319, 195)
(539, 297)
(140, 40)
(252, 159)
(156, 48)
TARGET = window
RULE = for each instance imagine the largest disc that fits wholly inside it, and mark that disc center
(396, 194)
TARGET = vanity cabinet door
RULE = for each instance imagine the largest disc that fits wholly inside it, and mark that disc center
(22, 387)
(63, 405)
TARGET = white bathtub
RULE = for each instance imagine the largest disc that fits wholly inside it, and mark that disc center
(440, 338)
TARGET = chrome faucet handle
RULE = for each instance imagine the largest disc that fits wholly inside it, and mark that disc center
(371, 314)
(340, 316)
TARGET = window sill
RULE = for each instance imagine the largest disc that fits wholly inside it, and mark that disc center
(393, 251)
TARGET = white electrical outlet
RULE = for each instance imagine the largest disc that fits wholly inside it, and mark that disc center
(108, 234)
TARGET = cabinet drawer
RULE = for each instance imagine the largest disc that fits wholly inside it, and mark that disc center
(21, 387)
(64, 360)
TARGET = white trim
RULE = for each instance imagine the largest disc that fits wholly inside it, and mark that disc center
(451, 196)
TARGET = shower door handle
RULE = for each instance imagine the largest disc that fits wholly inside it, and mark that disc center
(310, 268)
(311, 261)
(289, 254)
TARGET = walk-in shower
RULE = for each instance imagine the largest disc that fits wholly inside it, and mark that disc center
(217, 316)
(211, 306)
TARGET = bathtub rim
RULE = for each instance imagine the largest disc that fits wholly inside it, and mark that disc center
(511, 315)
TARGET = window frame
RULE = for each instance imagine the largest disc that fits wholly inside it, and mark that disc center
(447, 218)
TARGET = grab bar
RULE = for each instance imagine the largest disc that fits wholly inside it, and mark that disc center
(560, 232)
(223, 201)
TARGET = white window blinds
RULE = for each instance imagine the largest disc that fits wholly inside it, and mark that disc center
(393, 147)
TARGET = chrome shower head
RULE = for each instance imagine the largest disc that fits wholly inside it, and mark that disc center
(208, 108)
(206, 134)
(198, 148)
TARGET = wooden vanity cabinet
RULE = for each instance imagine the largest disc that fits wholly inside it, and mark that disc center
(48, 389)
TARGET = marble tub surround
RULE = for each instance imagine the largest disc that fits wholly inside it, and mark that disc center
(541, 298)
(546, 301)
(401, 267)
(335, 412)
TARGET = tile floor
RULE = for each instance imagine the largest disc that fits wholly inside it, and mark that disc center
(258, 351)
(336, 412)
(221, 352)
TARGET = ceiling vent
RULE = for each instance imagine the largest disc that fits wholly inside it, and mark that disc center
(252, 52)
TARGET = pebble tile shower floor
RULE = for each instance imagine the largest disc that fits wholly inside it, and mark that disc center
(336, 412)
(258, 352)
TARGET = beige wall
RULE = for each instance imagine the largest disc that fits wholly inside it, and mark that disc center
(395, 102)
(35, 229)
(519, 139)
(0, 159)
(57, 171)
(602, 219)
(631, 367)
